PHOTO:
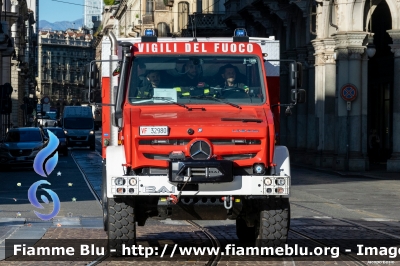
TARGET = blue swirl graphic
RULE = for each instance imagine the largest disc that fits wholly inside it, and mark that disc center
(43, 154)
(32, 198)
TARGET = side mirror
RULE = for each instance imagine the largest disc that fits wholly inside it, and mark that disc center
(298, 96)
(296, 74)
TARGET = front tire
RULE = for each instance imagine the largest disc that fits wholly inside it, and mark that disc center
(274, 222)
(121, 224)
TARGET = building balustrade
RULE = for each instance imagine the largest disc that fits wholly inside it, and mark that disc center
(206, 21)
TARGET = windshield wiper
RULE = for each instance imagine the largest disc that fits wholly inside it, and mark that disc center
(166, 99)
(215, 99)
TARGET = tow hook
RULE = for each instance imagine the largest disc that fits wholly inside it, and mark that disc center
(228, 202)
(174, 199)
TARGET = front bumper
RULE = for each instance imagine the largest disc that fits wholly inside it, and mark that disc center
(7, 159)
(162, 186)
(80, 141)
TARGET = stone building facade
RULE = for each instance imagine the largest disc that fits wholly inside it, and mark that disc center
(17, 45)
(63, 56)
(330, 39)
(167, 17)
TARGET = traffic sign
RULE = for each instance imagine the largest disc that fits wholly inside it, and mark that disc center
(45, 99)
(348, 92)
(46, 107)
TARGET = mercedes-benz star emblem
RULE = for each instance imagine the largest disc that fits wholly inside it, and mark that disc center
(200, 150)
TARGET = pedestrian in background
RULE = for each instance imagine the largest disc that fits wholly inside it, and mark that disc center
(374, 145)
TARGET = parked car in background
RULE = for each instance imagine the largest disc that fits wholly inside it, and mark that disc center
(63, 142)
(45, 121)
(20, 146)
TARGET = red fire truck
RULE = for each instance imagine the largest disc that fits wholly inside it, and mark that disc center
(189, 133)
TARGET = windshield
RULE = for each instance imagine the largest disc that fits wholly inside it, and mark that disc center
(52, 115)
(23, 136)
(78, 123)
(187, 79)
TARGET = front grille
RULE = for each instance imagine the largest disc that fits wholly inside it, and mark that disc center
(164, 141)
(17, 153)
(235, 141)
(156, 156)
(78, 138)
(233, 157)
(186, 141)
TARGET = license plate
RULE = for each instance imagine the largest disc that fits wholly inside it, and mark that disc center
(21, 158)
(153, 131)
(78, 142)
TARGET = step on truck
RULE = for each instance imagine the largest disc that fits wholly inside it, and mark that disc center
(185, 139)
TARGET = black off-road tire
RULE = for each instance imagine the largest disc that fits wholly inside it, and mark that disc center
(121, 224)
(244, 233)
(274, 223)
(105, 215)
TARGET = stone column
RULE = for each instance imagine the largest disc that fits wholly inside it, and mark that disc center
(341, 136)
(319, 98)
(364, 109)
(356, 161)
(311, 120)
(329, 84)
(301, 119)
(393, 164)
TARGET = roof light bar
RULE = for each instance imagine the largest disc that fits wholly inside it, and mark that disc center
(149, 36)
(240, 35)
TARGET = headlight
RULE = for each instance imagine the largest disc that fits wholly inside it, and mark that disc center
(267, 181)
(65, 132)
(91, 132)
(119, 181)
(280, 181)
(37, 148)
(132, 181)
(259, 168)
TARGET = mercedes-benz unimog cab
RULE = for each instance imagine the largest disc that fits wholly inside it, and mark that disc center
(192, 140)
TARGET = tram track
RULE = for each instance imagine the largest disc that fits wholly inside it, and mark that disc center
(321, 244)
(348, 221)
(214, 259)
(351, 257)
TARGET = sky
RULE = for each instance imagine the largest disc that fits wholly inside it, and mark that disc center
(60, 10)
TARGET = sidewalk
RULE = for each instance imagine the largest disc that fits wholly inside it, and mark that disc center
(377, 171)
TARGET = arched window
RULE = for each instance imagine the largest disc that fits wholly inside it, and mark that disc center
(162, 29)
(183, 15)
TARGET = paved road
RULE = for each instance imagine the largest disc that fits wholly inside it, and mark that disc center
(360, 198)
(319, 203)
